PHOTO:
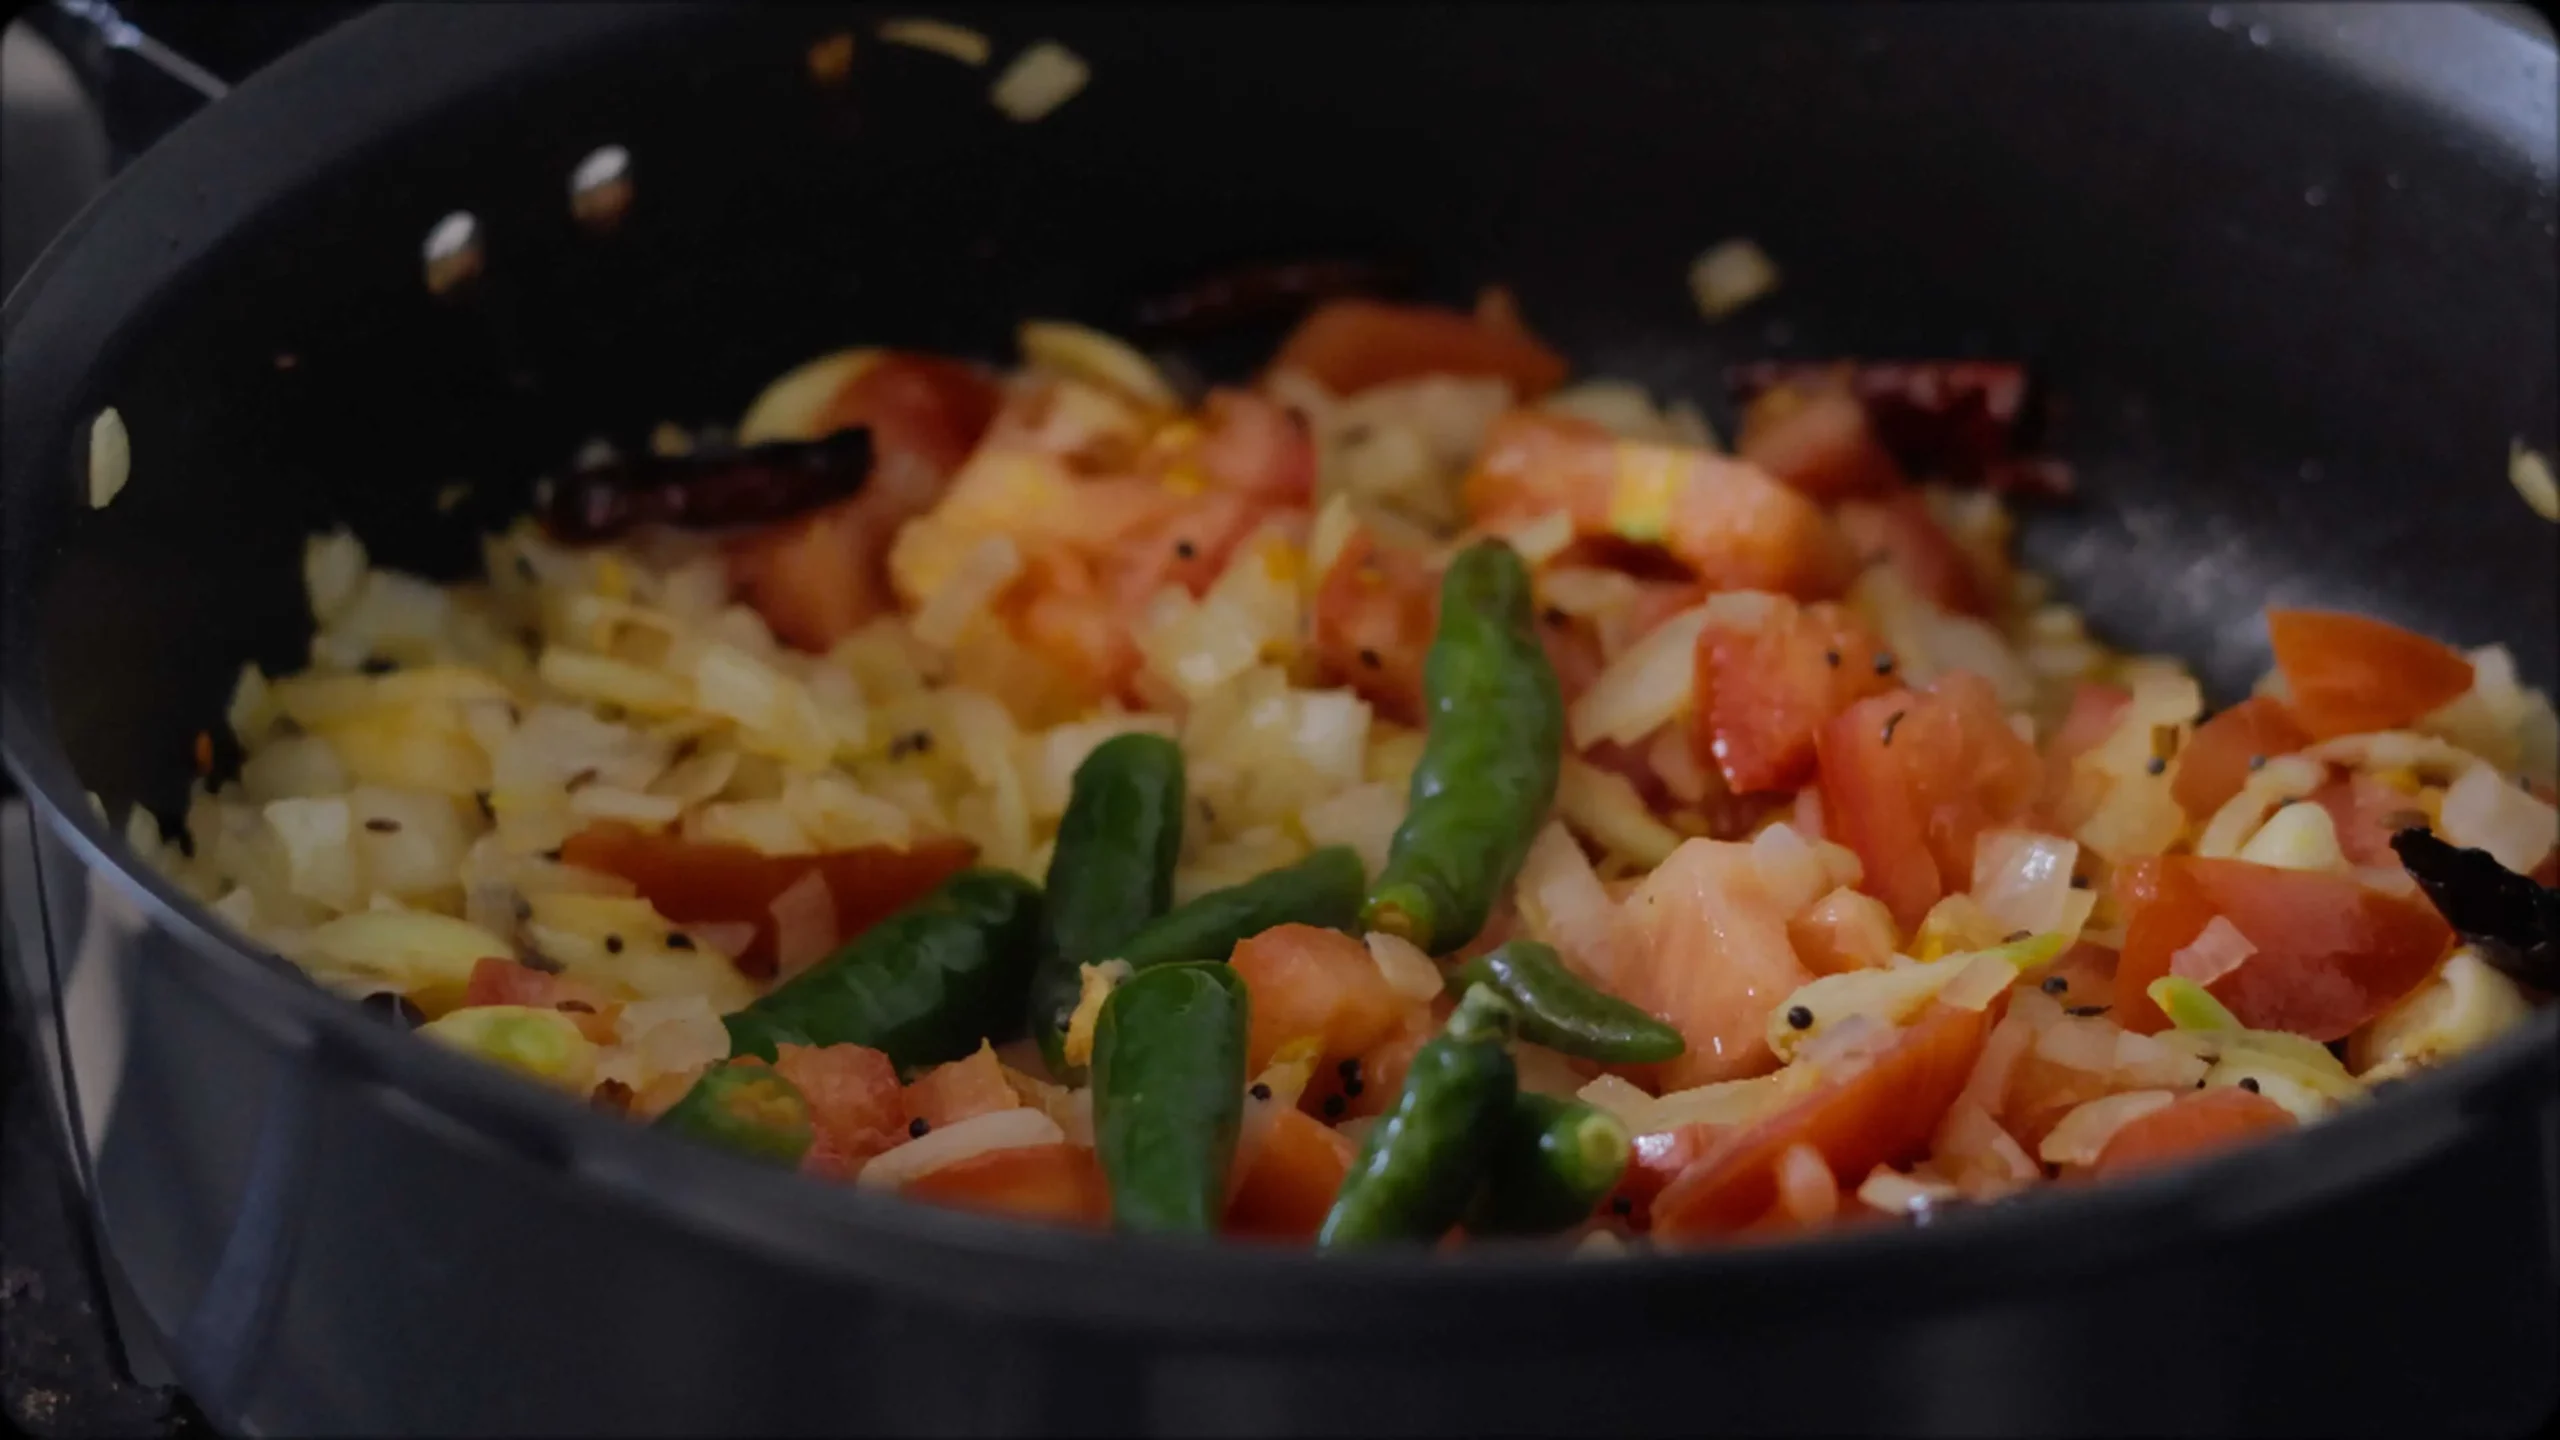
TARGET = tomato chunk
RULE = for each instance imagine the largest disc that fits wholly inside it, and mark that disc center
(1057, 1182)
(1819, 441)
(1910, 779)
(1882, 1112)
(1763, 692)
(955, 1091)
(2331, 952)
(1703, 945)
(1303, 980)
(1289, 1177)
(496, 980)
(1899, 531)
(855, 1107)
(1351, 345)
(2189, 1126)
(817, 578)
(2217, 759)
(695, 884)
(1731, 524)
(1374, 614)
(2352, 673)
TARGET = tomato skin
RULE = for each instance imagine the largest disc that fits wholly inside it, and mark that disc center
(1057, 1182)
(1899, 531)
(1879, 1113)
(1305, 980)
(1656, 1161)
(2189, 1126)
(1911, 794)
(2331, 953)
(2216, 760)
(695, 884)
(1375, 611)
(818, 578)
(855, 1105)
(1288, 1179)
(1351, 345)
(1763, 693)
(1818, 441)
(2350, 674)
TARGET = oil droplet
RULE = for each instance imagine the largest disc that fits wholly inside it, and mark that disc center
(2218, 17)
(2395, 179)
(2315, 196)
(2312, 470)
(2261, 36)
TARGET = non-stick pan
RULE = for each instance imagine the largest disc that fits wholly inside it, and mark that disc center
(2289, 268)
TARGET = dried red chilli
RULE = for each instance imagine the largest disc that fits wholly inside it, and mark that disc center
(754, 486)
(1264, 292)
(1968, 419)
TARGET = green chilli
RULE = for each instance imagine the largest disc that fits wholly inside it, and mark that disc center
(1322, 889)
(925, 985)
(1489, 758)
(1168, 1095)
(747, 1108)
(1560, 1011)
(1424, 1158)
(1553, 1163)
(1111, 872)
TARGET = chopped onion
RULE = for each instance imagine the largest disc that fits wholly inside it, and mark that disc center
(2300, 836)
(1895, 1193)
(1040, 79)
(1984, 979)
(1605, 806)
(2022, 879)
(1619, 1097)
(2142, 1060)
(333, 568)
(110, 458)
(1363, 817)
(1727, 1102)
(959, 42)
(1791, 869)
(1644, 688)
(1807, 1190)
(2083, 1043)
(1730, 275)
(1083, 353)
(1013, 1129)
(1409, 972)
(728, 939)
(1563, 903)
(2216, 951)
(2483, 811)
(1545, 1072)
(984, 570)
(1542, 539)
(2527, 469)
(2079, 1137)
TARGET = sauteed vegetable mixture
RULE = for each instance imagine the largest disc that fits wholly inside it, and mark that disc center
(1403, 799)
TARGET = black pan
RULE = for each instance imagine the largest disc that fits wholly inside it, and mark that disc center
(2291, 268)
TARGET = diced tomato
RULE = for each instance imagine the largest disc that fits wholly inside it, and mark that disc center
(1289, 1177)
(1879, 1113)
(2189, 1126)
(2349, 674)
(1702, 944)
(1062, 610)
(2041, 1091)
(1909, 779)
(694, 884)
(1304, 980)
(2095, 709)
(2087, 972)
(955, 1091)
(1256, 447)
(1818, 441)
(2217, 759)
(1845, 930)
(1381, 1070)
(496, 980)
(817, 578)
(1350, 345)
(2331, 953)
(855, 1106)
(1190, 546)
(1374, 614)
(1655, 1161)
(1763, 691)
(1058, 1182)
(1899, 531)
(2365, 810)
(1731, 524)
